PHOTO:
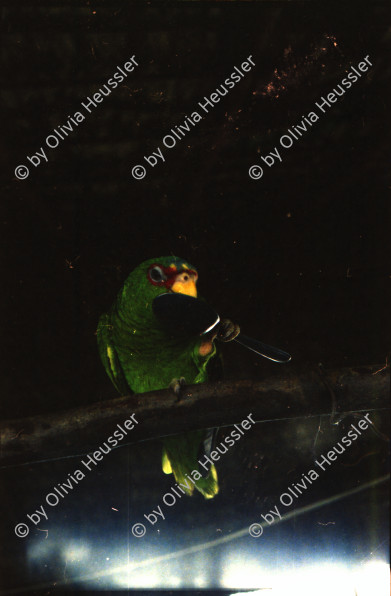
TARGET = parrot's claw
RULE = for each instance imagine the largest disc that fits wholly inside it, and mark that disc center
(227, 330)
(177, 386)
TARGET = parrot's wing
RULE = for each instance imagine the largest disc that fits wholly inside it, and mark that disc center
(109, 356)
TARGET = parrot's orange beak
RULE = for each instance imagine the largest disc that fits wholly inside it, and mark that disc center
(185, 283)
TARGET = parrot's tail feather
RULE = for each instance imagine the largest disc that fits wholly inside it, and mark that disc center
(167, 469)
(209, 487)
(185, 469)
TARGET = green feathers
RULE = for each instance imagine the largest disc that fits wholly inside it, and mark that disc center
(140, 355)
(185, 468)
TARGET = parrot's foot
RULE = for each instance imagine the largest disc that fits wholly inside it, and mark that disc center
(177, 385)
(227, 330)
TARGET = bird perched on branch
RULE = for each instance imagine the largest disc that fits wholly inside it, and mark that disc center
(157, 334)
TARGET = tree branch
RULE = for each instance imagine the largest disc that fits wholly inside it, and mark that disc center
(159, 413)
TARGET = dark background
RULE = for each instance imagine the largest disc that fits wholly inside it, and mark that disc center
(300, 258)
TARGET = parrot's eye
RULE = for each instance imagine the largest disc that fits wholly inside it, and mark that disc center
(156, 275)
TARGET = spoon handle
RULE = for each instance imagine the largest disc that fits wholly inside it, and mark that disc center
(263, 349)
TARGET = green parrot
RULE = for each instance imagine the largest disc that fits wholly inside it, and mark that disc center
(141, 354)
